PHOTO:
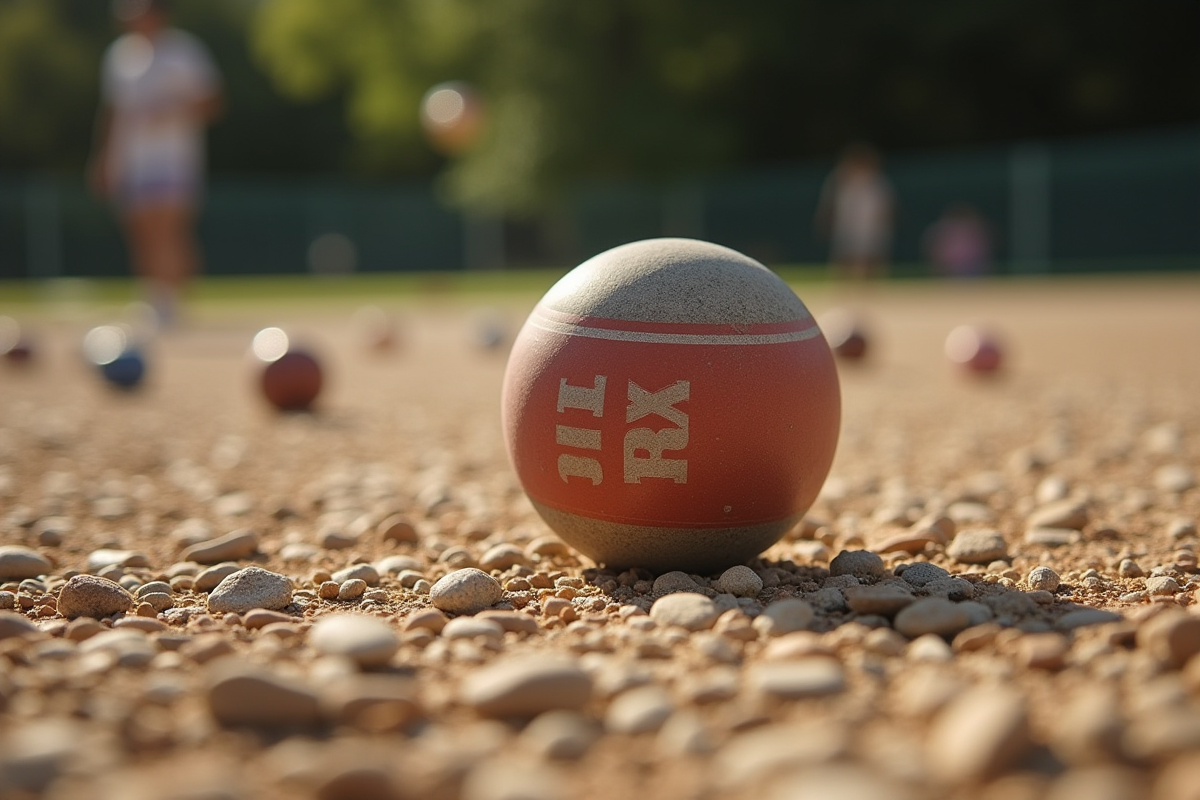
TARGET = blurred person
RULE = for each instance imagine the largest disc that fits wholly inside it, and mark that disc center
(959, 244)
(855, 212)
(160, 89)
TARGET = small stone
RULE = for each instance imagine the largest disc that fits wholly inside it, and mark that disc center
(233, 504)
(560, 735)
(210, 578)
(884, 600)
(18, 563)
(13, 625)
(1181, 529)
(1128, 568)
(859, 563)
(397, 528)
(922, 572)
(1172, 637)
(1042, 650)
(913, 541)
(739, 581)
(1061, 514)
(335, 539)
(92, 596)
(352, 589)
(695, 612)
(230, 547)
(249, 588)
(368, 641)
(525, 686)
(1174, 479)
(829, 599)
(159, 601)
(674, 582)
(978, 546)
(1084, 617)
(242, 696)
(932, 615)
(813, 676)
(363, 572)
(640, 710)
(502, 556)
(783, 617)
(510, 621)
(472, 628)
(99, 559)
(261, 618)
(466, 591)
(929, 648)
(978, 735)
(430, 619)
(1162, 585)
(1042, 579)
(396, 564)
(1052, 537)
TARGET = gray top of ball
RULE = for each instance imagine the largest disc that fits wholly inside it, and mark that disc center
(676, 280)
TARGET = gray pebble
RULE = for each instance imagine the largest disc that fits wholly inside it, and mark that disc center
(784, 616)
(211, 577)
(695, 612)
(92, 596)
(978, 546)
(230, 547)
(502, 556)
(932, 615)
(363, 572)
(395, 564)
(859, 563)
(472, 627)
(922, 572)
(466, 591)
(1162, 585)
(525, 686)
(18, 563)
(884, 600)
(159, 601)
(739, 581)
(674, 582)
(367, 640)
(352, 589)
(829, 599)
(252, 587)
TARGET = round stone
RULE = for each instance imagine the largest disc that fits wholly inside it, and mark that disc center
(252, 587)
(695, 612)
(1042, 579)
(978, 546)
(466, 591)
(784, 616)
(526, 686)
(932, 615)
(630, 353)
(739, 581)
(859, 563)
(92, 596)
(18, 563)
(366, 640)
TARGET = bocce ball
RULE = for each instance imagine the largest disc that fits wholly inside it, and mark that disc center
(374, 328)
(452, 115)
(120, 361)
(846, 335)
(15, 346)
(671, 404)
(289, 378)
(974, 349)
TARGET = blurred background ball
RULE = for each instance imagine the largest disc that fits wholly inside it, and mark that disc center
(671, 404)
(112, 349)
(15, 345)
(290, 379)
(452, 116)
(374, 329)
(846, 334)
(974, 349)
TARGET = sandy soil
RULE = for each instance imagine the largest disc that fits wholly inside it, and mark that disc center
(1006, 682)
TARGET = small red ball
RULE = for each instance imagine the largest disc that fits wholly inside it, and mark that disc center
(846, 335)
(974, 349)
(292, 382)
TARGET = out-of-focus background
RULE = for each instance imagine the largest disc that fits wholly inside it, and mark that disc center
(1071, 130)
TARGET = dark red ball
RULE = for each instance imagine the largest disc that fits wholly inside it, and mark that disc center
(974, 349)
(292, 382)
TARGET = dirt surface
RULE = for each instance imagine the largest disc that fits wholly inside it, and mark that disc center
(1053, 655)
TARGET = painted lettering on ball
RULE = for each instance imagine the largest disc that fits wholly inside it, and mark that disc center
(671, 404)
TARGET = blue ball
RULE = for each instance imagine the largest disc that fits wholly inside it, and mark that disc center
(126, 370)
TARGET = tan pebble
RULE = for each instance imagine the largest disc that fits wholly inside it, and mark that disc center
(555, 606)
(1172, 637)
(884, 600)
(91, 596)
(547, 547)
(560, 735)
(640, 710)
(694, 612)
(540, 580)
(525, 686)
(517, 585)
(397, 528)
(977, 546)
(884, 642)
(932, 615)
(976, 637)
(784, 616)
(230, 547)
(260, 617)
(1043, 651)
(1060, 514)
(1042, 578)
(510, 621)
(328, 590)
(466, 591)
(238, 695)
(734, 624)
(250, 588)
(814, 676)
(502, 556)
(430, 619)
(1088, 727)
(208, 579)
(147, 624)
(367, 640)
(981, 733)
(739, 581)
(1162, 585)
(912, 542)
(352, 589)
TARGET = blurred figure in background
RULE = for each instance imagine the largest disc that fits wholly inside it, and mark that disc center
(855, 212)
(959, 244)
(159, 90)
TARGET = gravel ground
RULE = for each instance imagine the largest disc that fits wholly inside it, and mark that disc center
(995, 595)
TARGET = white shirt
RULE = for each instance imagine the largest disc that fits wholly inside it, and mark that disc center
(152, 87)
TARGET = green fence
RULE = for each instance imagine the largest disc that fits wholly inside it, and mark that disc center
(1123, 202)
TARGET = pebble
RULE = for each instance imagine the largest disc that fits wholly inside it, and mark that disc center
(978, 546)
(473, 627)
(430, 619)
(1162, 585)
(524, 686)
(18, 563)
(261, 617)
(688, 610)
(230, 547)
(739, 581)
(1052, 537)
(99, 559)
(367, 640)
(92, 596)
(362, 572)
(466, 591)
(859, 563)
(395, 564)
(1174, 479)
(757, 756)
(640, 710)
(929, 648)
(397, 528)
(812, 676)
(922, 572)
(1084, 617)
(980, 733)
(352, 589)
(13, 625)
(1042, 578)
(884, 600)
(1060, 514)
(560, 735)
(911, 542)
(1128, 568)
(674, 582)
(250, 588)
(502, 556)
(783, 617)
(1172, 637)
(932, 615)
(238, 695)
